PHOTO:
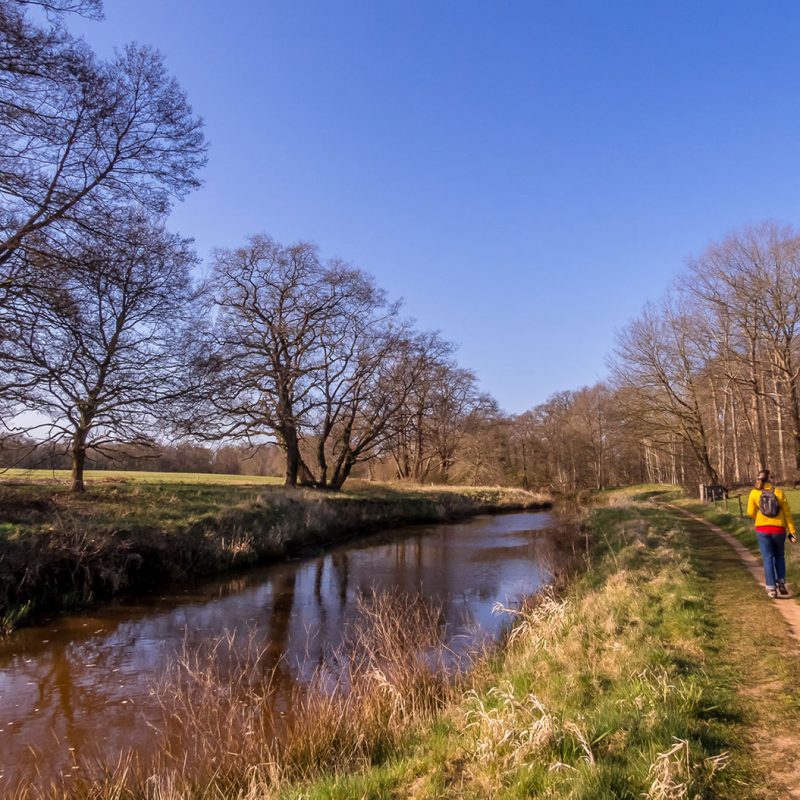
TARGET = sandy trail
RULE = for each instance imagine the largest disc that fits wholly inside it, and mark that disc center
(787, 607)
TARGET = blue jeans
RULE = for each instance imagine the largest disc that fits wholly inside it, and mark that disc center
(771, 546)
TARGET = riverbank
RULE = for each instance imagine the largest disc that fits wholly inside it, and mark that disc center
(60, 551)
(640, 677)
(610, 690)
(643, 678)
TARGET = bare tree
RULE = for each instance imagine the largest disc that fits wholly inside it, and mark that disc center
(457, 401)
(661, 355)
(411, 443)
(402, 364)
(101, 341)
(272, 301)
(302, 346)
(79, 136)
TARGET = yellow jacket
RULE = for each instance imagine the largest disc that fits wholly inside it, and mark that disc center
(784, 518)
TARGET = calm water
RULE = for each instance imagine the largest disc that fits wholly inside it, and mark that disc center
(83, 685)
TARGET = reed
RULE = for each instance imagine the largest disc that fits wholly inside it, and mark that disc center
(226, 735)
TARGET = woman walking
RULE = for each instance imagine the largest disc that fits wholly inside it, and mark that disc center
(769, 508)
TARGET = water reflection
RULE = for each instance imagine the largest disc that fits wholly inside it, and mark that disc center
(84, 684)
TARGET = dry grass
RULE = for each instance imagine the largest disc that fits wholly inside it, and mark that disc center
(596, 685)
(678, 775)
(225, 736)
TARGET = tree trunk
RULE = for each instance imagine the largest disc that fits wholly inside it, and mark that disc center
(718, 435)
(673, 461)
(794, 407)
(737, 475)
(341, 473)
(305, 477)
(322, 462)
(779, 421)
(758, 413)
(420, 449)
(525, 482)
(291, 446)
(78, 459)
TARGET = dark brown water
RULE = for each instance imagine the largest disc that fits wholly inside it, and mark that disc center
(83, 685)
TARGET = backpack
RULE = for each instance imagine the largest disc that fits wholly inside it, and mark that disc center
(768, 503)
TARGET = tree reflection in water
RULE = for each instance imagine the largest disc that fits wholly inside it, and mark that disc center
(85, 681)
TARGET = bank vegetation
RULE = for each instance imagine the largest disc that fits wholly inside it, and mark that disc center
(59, 550)
(607, 687)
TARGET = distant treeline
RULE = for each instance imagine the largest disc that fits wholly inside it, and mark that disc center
(704, 384)
(708, 378)
(24, 453)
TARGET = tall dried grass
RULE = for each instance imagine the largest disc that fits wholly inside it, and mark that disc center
(229, 734)
(678, 775)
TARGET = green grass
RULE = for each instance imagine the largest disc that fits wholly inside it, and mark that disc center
(639, 493)
(94, 476)
(755, 656)
(130, 501)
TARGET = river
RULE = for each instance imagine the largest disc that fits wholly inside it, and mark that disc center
(81, 686)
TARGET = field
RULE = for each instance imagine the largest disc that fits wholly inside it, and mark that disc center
(95, 476)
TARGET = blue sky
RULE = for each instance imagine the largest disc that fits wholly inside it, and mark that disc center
(524, 174)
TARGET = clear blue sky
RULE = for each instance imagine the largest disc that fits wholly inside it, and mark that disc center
(524, 174)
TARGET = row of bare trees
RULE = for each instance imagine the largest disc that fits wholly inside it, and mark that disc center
(704, 384)
(311, 354)
(714, 369)
(108, 348)
(110, 343)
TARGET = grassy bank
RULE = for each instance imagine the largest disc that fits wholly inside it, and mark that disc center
(637, 679)
(607, 691)
(129, 533)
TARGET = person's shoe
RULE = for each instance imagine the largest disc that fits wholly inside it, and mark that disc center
(771, 593)
(782, 590)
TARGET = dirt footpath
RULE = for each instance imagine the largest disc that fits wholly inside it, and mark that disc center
(790, 611)
(761, 659)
